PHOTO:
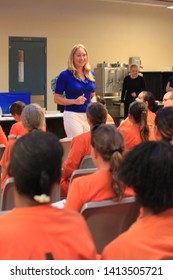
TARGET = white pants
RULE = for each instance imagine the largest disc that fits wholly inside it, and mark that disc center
(75, 123)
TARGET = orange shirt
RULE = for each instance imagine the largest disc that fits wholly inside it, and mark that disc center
(150, 120)
(149, 238)
(80, 147)
(31, 232)
(5, 161)
(93, 187)
(3, 138)
(17, 129)
(132, 136)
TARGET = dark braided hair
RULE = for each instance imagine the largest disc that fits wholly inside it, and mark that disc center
(35, 163)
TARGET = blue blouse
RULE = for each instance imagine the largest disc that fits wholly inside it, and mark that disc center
(73, 88)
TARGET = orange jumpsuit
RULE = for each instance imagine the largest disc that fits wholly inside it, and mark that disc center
(150, 120)
(149, 238)
(5, 161)
(17, 129)
(3, 138)
(80, 147)
(30, 233)
(93, 187)
(132, 136)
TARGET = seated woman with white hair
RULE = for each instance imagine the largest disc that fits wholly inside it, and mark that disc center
(32, 117)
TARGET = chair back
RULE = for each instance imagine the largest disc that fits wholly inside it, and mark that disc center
(108, 219)
(55, 193)
(80, 172)
(7, 196)
(3, 212)
(87, 162)
(66, 143)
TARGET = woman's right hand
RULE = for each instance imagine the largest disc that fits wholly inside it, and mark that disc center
(80, 100)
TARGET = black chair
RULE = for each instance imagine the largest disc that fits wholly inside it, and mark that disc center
(108, 219)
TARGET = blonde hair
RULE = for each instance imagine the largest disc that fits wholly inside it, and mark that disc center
(133, 66)
(86, 68)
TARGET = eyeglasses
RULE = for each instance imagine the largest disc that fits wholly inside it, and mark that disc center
(165, 99)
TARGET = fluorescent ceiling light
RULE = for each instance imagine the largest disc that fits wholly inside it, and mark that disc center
(170, 7)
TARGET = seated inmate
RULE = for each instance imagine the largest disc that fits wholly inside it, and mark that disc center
(109, 117)
(34, 229)
(139, 131)
(32, 117)
(107, 145)
(80, 146)
(164, 124)
(17, 129)
(148, 168)
(148, 99)
(3, 137)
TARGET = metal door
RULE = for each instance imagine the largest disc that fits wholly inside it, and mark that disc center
(27, 67)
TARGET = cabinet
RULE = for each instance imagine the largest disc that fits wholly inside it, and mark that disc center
(156, 82)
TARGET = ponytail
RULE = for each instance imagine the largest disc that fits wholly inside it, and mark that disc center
(143, 127)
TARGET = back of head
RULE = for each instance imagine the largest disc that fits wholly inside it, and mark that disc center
(101, 100)
(150, 98)
(164, 123)
(109, 143)
(35, 163)
(138, 111)
(33, 117)
(17, 108)
(96, 113)
(148, 168)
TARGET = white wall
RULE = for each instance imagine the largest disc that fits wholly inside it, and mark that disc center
(111, 32)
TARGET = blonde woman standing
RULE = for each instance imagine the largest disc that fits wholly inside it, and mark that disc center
(78, 84)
